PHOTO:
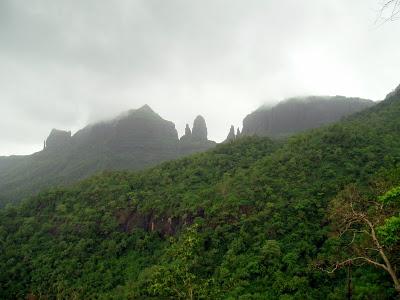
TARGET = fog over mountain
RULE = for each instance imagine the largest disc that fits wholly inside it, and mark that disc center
(299, 114)
(64, 64)
(136, 139)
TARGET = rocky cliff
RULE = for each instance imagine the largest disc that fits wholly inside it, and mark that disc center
(136, 139)
(299, 114)
(57, 139)
(199, 132)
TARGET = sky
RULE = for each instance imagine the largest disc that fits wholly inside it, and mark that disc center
(66, 64)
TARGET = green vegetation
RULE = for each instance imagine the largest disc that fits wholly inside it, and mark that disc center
(252, 219)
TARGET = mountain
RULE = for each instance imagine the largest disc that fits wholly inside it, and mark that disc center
(299, 114)
(250, 219)
(134, 140)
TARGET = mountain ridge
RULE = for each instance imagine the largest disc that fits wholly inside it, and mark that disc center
(135, 139)
(248, 219)
(140, 138)
(297, 114)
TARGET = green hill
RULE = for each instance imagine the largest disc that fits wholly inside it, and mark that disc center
(247, 220)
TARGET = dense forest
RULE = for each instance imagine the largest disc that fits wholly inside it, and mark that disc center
(251, 219)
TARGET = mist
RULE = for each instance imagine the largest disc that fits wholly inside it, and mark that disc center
(66, 64)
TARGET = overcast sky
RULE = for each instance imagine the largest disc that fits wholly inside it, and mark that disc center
(64, 64)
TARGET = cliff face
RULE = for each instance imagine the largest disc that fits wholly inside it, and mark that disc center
(143, 128)
(135, 140)
(199, 132)
(57, 139)
(299, 114)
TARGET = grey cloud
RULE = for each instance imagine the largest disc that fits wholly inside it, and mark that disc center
(66, 63)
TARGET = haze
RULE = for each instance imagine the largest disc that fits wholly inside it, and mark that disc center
(64, 64)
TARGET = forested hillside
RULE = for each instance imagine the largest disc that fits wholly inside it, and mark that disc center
(251, 219)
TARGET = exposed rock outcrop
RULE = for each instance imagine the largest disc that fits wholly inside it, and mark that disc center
(195, 140)
(188, 132)
(199, 132)
(134, 140)
(143, 133)
(299, 114)
(231, 135)
(187, 136)
(57, 139)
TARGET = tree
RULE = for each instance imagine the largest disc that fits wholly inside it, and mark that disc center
(370, 229)
(176, 277)
(390, 11)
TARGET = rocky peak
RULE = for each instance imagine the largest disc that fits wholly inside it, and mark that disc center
(145, 108)
(195, 140)
(188, 132)
(143, 111)
(57, 138)
(237, 133)
(199, 131)
(231, 135)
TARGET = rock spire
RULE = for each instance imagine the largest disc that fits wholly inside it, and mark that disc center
(199, 132)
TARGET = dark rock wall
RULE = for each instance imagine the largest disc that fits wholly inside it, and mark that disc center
(57, 139)
(199, 131)
(299, 114)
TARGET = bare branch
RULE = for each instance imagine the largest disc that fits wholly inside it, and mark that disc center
(356, 215)
(389, 11)
(350, 261)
